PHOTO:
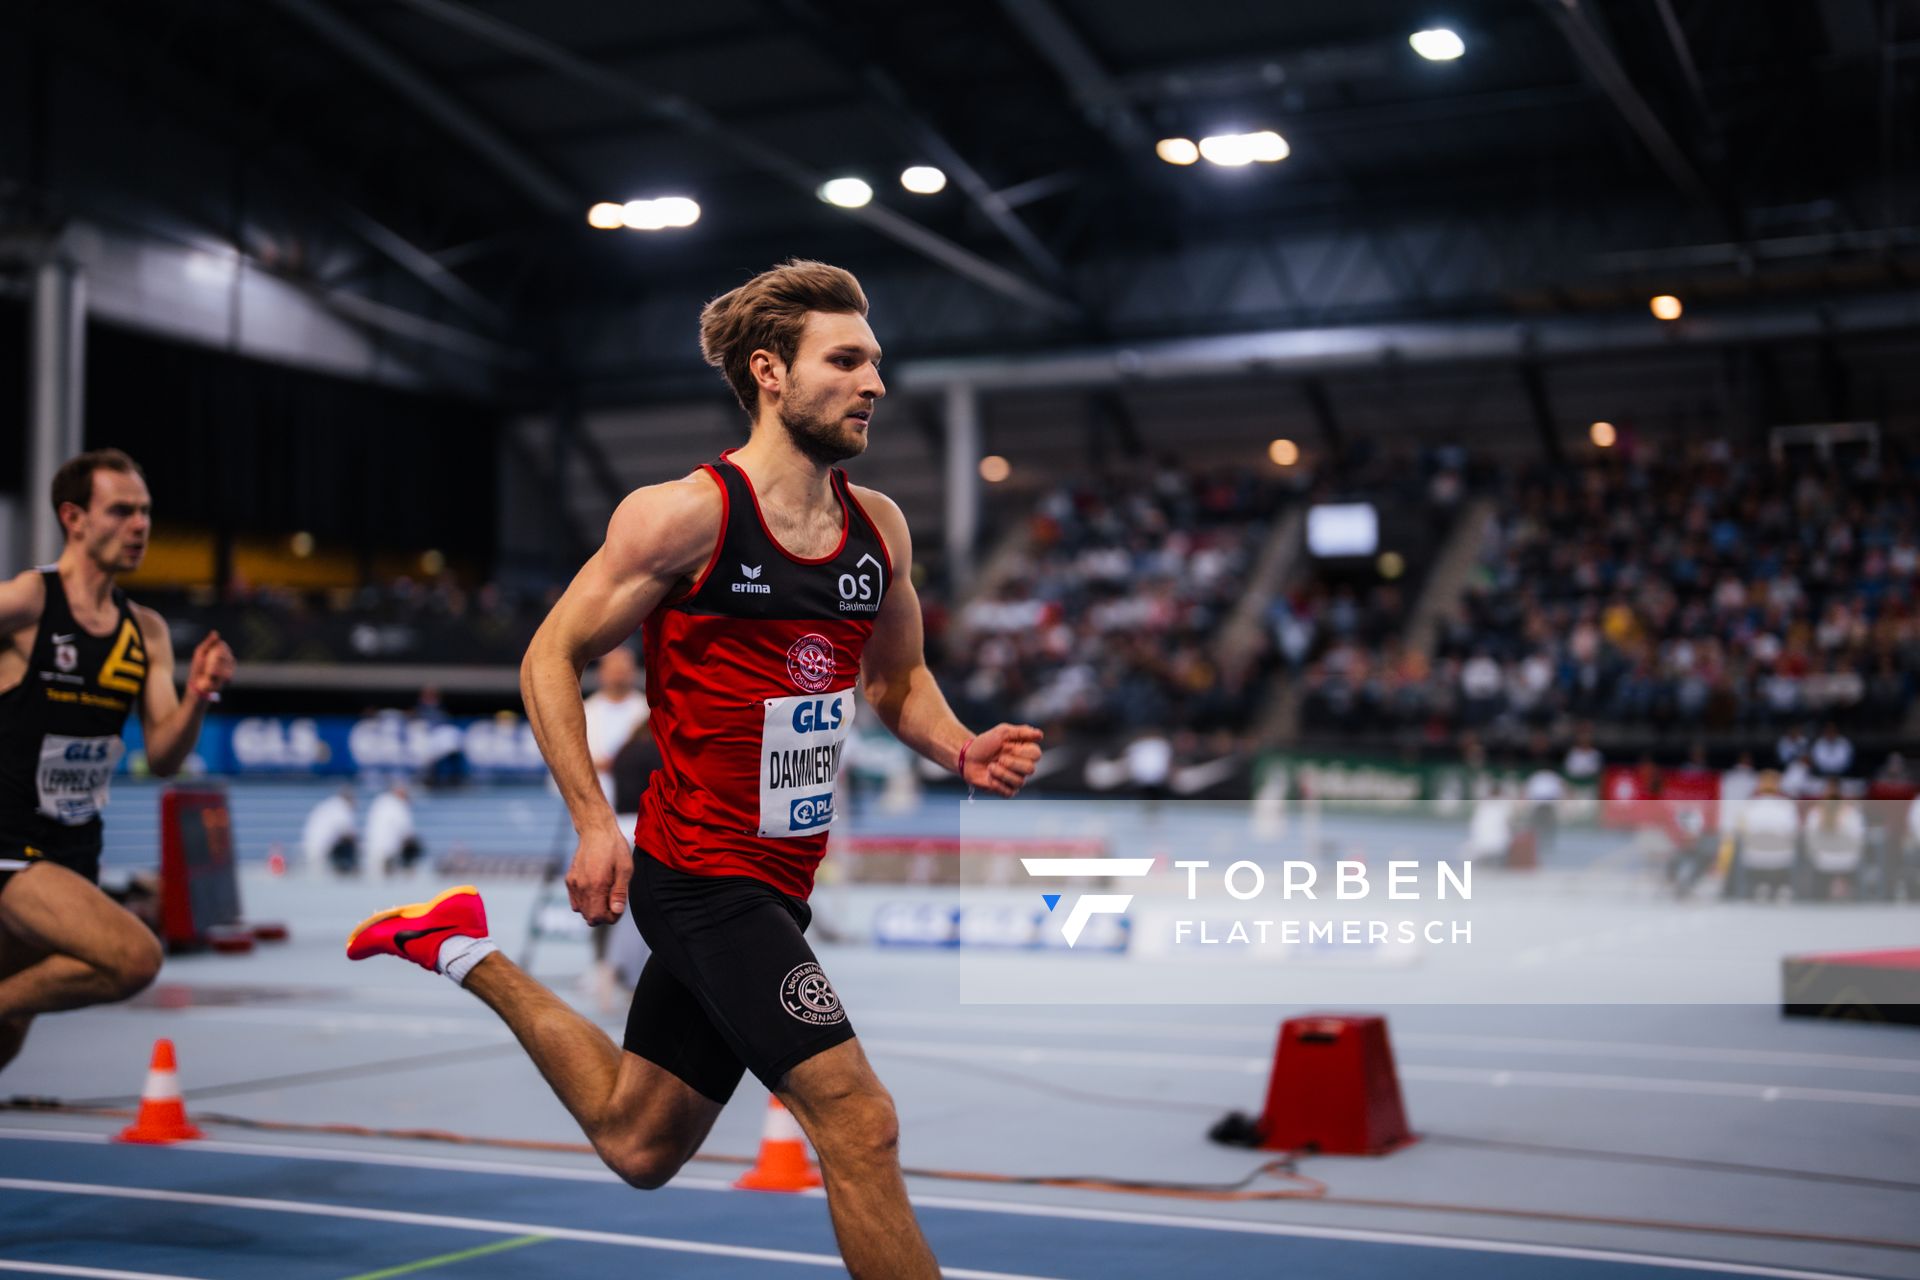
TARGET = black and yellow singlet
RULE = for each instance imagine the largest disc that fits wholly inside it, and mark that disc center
(60, 734)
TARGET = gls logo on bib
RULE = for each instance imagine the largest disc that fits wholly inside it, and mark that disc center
(801, 742)
(812, 715)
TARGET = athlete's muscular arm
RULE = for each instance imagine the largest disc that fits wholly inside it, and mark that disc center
(172, 723)
(22, 597)
(658, 537)
(903, 692)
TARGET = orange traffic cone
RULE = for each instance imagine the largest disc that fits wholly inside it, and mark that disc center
(783, 1163)
(162, 1117)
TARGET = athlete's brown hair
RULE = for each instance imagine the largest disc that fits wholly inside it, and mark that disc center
(73, 482)
(767, 313)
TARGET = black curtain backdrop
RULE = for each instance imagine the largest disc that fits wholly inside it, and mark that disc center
(242, 446)
(13, 397)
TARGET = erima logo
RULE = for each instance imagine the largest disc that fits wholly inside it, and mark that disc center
(751, 572)
(1088, 905)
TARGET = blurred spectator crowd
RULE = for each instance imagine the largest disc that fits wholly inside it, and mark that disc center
(1694, 590)
(1691, 591)
(1107, 627)
(436, 620)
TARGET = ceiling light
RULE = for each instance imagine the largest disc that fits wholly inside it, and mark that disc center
(677, 211)
(642, 215)
(1603, 434)
(1438, 45)
(606, 216)
(1176, 150)
(848, 193)
(1666, 307)
(1284, 453)
(1236, 149)
(994, 468)
(1267, 146)
(923, 180)
(1230, 150)
(659, 214)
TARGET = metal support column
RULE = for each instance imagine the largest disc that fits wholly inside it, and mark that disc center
(55, 411)
(963, 482)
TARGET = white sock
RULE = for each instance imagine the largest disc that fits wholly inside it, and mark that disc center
(460, 953)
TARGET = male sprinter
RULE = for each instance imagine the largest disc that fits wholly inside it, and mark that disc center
(75, 656)
(765, 582)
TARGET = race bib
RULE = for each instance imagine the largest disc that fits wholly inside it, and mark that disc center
(800, 748)
(73, 776)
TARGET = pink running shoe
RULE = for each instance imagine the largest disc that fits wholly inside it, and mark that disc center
(415, 932)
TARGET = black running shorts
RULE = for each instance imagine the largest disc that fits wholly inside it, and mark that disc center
(16, 857)
(732, 985)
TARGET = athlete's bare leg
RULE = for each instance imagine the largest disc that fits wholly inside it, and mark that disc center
(849, 1117)
(15, 955)
(644, 1121)
(91, 949)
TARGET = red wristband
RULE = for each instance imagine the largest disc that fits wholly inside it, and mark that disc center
(960, 763)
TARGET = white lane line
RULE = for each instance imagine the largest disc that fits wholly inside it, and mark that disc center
(517, 1168)
(1657, 1084)
(1364, 1235)
(336, 1020)
(1662, 1052)
(1080, 1027)
(489, 1226)
(1128, 1217)
(99, 1273)
(1029, 1055)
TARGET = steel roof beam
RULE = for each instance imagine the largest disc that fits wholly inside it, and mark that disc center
(920, 132)
(453, 115)
(422, 266)
(703, 123)
(1595, 53)
(1315, 350)
(1101, 97)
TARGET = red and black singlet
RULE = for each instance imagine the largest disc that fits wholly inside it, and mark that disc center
(751, 675)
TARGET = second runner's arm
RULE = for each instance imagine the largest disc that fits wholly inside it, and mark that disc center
(897, 682)
(172, 722)
(658, 537)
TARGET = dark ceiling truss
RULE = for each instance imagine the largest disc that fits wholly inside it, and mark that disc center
(1486, 193)
(1582, 27)
(903, 116)
(1100, 97)
(1464, 265)
(424, 267)
(697, 120)
(525, 171)
(179, 218)
(1682, 50)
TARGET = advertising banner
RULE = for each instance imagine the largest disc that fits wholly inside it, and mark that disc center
(333, 746)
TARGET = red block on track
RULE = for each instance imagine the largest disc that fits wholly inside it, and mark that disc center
(1334, 1089)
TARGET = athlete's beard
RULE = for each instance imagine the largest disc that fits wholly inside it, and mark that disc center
(115, 559)
(823, 440)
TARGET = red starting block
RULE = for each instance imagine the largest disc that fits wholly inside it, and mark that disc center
(1334, 1090)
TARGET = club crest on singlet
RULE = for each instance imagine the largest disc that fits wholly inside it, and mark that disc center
(811, 663)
